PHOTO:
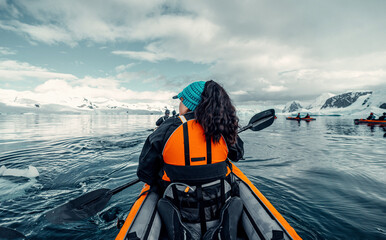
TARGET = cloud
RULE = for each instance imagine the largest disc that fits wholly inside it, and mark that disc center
(274, 88)
(146, 56)
(122, 68)
(238, 92)
(265, 50)
(70, 22)
(11, 70)
(6, 51)
(64, 85)
(9, 9)
(53, 85)
(96, 89)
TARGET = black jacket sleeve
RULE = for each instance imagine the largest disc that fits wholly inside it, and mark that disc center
(236, 151)
(150, 161)
(160, 121)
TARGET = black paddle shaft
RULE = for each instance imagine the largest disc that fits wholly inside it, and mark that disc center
(118, 189)
(84, 206)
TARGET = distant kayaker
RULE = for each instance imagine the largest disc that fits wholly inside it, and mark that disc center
(307, 116)
(298, 116)
(383, 117)
(371, 116)
(191, 152)
(163, 119)
(174, 113)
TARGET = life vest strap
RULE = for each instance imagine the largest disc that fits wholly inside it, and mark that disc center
(186, 140)
(222, 189)
(209, 151)
(187, 149)
(201, 209)
(183, 119)
(186, 143)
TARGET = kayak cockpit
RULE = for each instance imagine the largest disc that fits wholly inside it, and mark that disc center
(257, 219)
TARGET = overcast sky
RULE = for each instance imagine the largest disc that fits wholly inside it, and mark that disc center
(148, 50)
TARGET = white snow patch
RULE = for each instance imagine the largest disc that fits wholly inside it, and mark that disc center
(319, 101)
(31, 172)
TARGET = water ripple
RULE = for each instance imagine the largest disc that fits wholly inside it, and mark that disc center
(325, 177)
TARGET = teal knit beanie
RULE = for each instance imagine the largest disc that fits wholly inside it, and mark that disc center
(191, 95)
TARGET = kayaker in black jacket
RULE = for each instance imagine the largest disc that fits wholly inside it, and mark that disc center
(371, 116)
(192, 151)
(298, 116)
(383, 117)
(209, 111)
(163, 119)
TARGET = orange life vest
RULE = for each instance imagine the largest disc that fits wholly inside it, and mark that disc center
(189, 158)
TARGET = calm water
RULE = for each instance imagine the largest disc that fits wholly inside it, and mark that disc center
(327, 177)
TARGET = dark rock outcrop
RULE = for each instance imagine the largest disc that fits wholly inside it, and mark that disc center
(294, 106)
(383, 106)
(343, 100)
(87, 104)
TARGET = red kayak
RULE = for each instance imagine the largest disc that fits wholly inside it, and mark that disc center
(298, 119)
(358, 121)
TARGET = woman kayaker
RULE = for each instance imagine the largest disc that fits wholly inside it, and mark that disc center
(193, 149)
(207, 103)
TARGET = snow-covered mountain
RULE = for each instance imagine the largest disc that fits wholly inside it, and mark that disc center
(350, 103)
(344, 100)
(320, 101)
(359, 103)
(25, 102)
(293, 106)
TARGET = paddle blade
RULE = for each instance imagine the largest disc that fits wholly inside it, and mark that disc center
(8, 233)
(262, 120)
(80, 208)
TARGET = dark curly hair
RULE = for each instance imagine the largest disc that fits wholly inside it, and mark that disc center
(216, 114)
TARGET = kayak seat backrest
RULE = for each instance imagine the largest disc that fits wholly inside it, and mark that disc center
(224, 228)
(229, 221)
(171, 218)
(199, 207)
(187, 199)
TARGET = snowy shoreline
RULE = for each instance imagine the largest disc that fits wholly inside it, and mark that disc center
(357, 103)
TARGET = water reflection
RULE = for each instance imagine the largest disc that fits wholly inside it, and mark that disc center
(24, 127)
